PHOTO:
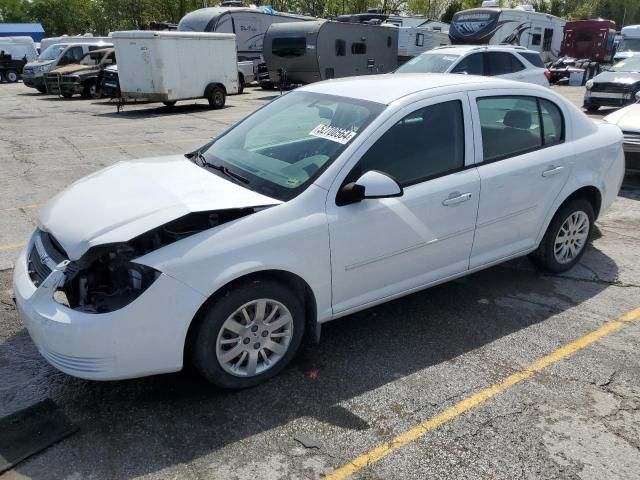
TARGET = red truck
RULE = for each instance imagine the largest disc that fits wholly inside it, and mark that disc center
(587, 44)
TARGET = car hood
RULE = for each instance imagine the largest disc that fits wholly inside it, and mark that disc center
(627, 118)
(74, 68)
(130, 198)
(38, 63)
(617, 77)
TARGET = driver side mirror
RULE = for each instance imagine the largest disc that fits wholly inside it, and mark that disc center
(372, 184)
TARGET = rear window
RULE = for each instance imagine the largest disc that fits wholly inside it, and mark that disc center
(533, 58)
(289, 46)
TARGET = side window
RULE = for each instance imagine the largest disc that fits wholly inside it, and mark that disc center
(341, 48)
(420, 40)
(510, 126)
(535, 39)
(425, 144)
(502, 63)
(516, 65)
(473, 65)
(358, 48)
(534, 58)
(548, 38)
(552, 123)
(76, 53)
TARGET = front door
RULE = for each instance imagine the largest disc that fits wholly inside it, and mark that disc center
(384, 247)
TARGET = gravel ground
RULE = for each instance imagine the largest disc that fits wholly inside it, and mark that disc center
(375, 374)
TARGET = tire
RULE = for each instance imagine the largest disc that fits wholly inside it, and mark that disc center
(208, 347)
(11, 76)
(91, 90)
(42, 89)
(217, 98)
(67, 95)
(549, 255)
(240, 83)
(170, 104)
(592, 108)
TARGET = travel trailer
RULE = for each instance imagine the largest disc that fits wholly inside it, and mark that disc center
(172, 66)
(248, 24)
(412, 41)
(307, 52)
(515, 26)
(629, 43)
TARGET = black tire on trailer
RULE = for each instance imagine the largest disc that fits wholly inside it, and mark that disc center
(566, 238)
(240, 83)
(217, 97)
(170, 104)
(592, 108)
(11, 76)
(248, 334)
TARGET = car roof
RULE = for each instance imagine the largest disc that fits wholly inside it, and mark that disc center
(462, 49)
(390, 87)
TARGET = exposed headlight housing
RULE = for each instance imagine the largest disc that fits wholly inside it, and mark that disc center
(589, 84)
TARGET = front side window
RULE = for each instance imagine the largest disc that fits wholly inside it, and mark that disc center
(471, 65)
(425, 144)
(289, 46)
(73, 55)
(358, 48)
(282, 147)
(514, 125)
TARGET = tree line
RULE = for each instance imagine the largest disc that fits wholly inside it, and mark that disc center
(100, 17)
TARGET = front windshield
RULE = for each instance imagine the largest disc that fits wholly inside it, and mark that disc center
(52, 52)
(632, 44)
(631, 64)
(283, 146)
(428, 63)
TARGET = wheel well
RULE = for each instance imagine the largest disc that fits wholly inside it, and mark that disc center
(241, 78)
(294, 282)
(591, 194)
(211, 86)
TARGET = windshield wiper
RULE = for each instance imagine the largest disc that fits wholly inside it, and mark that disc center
(220, 168)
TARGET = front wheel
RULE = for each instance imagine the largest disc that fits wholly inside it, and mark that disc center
(11, 76)
(42, 89)
(566, 238)
(217, 98)
(248, 335)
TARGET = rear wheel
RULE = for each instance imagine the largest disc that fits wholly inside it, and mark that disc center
(566, 238)
(11, 76)
(42, 89)
(170, 104)
(248, 335)
(217, 98)
(240, 83)
(67, 94)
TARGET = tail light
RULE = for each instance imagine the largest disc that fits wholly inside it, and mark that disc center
(547, 74)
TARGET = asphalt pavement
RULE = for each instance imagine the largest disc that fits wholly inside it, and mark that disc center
(381, 375)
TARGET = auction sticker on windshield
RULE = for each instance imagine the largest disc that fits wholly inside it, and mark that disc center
(335, 134)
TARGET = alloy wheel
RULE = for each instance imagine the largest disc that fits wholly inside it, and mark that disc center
(571, 238)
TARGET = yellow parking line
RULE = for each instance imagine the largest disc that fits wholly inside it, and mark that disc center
(478, 398)
(12, 246)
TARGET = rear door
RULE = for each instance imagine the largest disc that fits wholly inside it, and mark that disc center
(525, 164)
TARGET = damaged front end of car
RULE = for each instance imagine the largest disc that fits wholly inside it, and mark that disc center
(107, 277)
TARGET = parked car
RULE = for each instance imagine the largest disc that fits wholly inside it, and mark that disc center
(56, 55)
(628, 119)
(615, 87)
(504, 61)
(330, 199)
(80, 78)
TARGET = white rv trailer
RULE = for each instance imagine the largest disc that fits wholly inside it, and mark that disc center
(166, 66)
(19, 48)
(515, 26)
(629, 44)
(412, 41)
(248, 24)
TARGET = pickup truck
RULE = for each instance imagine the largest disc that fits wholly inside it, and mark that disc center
(82, 77)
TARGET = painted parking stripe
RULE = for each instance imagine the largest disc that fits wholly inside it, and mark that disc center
(12, 246)
(25, 207)
(477, 399)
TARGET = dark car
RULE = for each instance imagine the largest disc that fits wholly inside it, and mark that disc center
(615, 87)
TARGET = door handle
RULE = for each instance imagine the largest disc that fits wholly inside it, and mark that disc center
(456, 198)
(552, 171)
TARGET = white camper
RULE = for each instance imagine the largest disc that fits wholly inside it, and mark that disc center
(171, 66)
(413, 41)
(629, 44)
(514, 26)
(19, 48)
(248, 24)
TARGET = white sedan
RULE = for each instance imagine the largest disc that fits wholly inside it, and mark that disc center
(335, 197)
(628, 120)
